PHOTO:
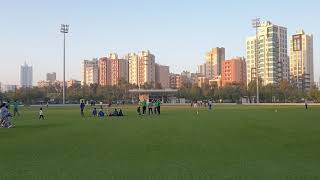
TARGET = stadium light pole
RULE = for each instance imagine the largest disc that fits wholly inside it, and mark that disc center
(256, 24)
(64, 30)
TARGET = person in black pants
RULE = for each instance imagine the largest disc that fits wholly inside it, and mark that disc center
(82, 106)
(144, 107)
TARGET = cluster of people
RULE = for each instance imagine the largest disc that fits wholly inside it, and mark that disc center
(197, 104)
(153, 107)
(101, 114)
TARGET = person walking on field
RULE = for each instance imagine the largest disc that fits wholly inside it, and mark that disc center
(41, 116)
(82, 106)
(16, 108)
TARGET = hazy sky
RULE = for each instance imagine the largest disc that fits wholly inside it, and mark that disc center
(178, 32)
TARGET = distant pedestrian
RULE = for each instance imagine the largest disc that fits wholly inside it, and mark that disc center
(306, 105)
(144, 107)
(155, 110)
(16, 108)
(158, 105)
(150, 107)
(41, 116)
(94, 112)
(210, 105)
(82, 106)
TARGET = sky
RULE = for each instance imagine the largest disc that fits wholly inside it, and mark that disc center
(177, 32)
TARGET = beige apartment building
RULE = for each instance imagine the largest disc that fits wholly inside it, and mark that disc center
(175, 81)
(214, 58)
(90, 72)
(141, 68)
(301, 60)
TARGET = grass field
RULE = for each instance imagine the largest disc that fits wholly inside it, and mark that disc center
(230, 142)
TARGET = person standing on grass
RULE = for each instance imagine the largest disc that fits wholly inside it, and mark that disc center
(155, 110)
(158, 105)
(41, 116)
(82, 106)
(306, 105)
(210, 105)
(144, 107)
(16, 108)
(94, 112)
(150, 107)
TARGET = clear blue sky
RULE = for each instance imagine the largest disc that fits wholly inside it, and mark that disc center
(177, 32)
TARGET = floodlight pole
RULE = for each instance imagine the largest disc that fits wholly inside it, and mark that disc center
(64, 30)
(256, 25)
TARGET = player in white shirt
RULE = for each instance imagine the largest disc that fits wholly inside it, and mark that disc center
(41, 116)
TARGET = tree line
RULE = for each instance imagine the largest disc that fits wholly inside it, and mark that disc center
(284, 92)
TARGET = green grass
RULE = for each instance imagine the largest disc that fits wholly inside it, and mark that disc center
(230, 142)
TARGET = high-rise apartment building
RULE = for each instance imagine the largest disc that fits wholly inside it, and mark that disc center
(301, 60)
(202, 69)
(272, 54)
(141, 68)
(175, 81)
(90, 72)
(26, 76)
(51, 77)
(112, 70)
(234, 71)
(214, 59)
(162, 75)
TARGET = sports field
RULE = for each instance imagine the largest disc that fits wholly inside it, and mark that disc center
(230, 142)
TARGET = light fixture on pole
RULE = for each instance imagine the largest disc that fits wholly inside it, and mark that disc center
(64, 30)
(256, 24)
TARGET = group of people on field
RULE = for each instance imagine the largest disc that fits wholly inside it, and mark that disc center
(153, 106)
(197, 104)
(101, 113)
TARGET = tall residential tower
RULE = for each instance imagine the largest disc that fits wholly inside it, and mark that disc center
(301, 60)
(26, 76)
(90, 72)
(272, 52)
(214, 59)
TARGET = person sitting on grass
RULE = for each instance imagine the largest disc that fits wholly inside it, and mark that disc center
(115, 112)
(120, 113)
(139, 110)
(101, 113)
(94, 112)
(5, 120)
